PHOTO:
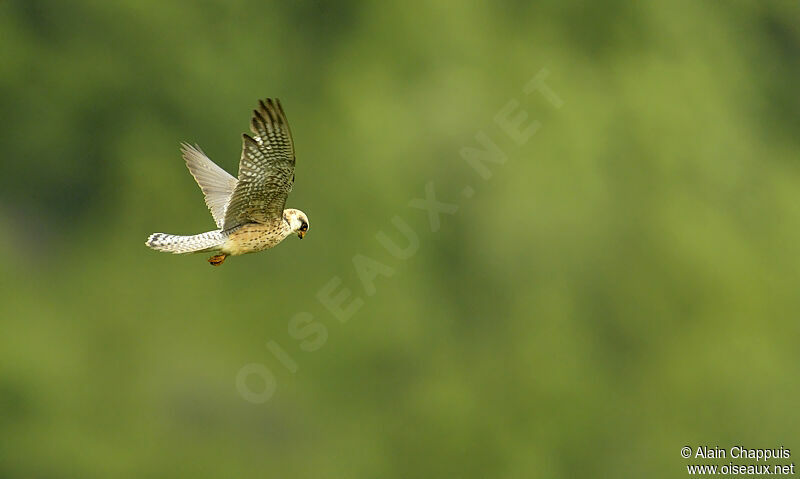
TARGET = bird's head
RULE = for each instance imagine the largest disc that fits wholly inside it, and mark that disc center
(298, 221)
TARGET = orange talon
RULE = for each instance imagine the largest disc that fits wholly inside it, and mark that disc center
(217, 260)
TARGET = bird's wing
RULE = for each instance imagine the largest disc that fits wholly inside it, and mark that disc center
(266, 170)
(216, 183)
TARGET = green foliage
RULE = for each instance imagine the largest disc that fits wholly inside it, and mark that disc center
(622, 286)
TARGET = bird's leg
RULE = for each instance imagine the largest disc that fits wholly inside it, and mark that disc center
(217, 260)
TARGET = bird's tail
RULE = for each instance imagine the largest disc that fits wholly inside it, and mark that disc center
(204, 242)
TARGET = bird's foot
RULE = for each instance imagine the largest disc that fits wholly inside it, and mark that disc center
(217, 259)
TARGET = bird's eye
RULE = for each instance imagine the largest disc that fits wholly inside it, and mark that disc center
(303, 227)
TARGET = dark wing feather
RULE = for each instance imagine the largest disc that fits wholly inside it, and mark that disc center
(266, 169)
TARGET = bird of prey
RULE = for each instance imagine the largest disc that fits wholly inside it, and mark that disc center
(249, 211)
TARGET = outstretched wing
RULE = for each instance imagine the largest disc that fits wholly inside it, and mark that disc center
(266, 170)
(216, 183)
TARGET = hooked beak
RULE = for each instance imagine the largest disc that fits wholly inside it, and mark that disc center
(301, 234)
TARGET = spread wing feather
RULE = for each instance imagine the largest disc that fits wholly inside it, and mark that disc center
(266, 169)
(216, 183)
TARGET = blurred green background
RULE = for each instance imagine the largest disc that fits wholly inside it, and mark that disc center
(624, 285)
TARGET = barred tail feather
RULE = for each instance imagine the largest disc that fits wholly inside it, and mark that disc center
(204, 242)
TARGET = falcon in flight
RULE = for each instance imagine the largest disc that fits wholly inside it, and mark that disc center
(249, 211)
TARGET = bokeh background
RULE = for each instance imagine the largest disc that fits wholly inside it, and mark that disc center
(623, 286)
